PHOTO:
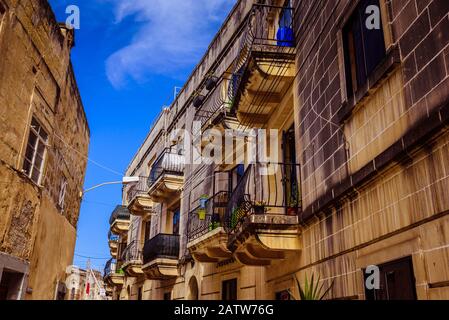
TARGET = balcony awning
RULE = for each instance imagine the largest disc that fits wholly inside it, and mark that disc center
(119, 213)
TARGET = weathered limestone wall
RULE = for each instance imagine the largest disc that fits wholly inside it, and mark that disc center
(386, 212)
(36, 79)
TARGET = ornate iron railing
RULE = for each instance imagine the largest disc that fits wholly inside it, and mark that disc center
(113, 237)
(216, 103)
(112, 267)
(133, 252)
(203, 220)
(161, 246)
(269, 28)
(169, 162)
(264, 189)
(138, 189)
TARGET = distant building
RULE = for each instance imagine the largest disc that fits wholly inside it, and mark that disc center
(43, 151)
(84, 284)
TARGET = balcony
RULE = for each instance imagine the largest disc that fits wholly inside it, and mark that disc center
(119, 220)
(264, 69)
(160, 257)
(139, 202)
(113, 274)
(167, 176)
(207, 239)
(261, 218)
(132, 259)
(113, 241)
(214, 108)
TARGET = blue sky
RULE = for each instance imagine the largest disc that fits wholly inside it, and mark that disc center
(129, 57)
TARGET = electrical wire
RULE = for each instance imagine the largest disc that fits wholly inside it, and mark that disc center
(91, 258)
(87, 158)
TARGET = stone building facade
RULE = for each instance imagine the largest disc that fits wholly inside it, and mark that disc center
(43, 151)
(358, 94)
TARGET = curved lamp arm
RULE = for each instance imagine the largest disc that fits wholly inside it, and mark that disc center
(125, 181)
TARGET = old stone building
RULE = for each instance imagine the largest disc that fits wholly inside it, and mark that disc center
(356, 177)
(84, 284)
(43, 150)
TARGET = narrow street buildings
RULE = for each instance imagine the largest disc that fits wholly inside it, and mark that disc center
(333, 116)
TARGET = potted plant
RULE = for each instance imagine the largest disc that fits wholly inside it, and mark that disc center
(214, 225)
(260, 207)
(203, 201)
(201, 214)
(211, 82)
(292, 209)
(235, 217)
(198, 101)
(312, 290)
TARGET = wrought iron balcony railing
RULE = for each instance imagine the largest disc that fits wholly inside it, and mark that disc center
(161, 246)
(169, 162)
(269, 30)
(112, 267)
(133, 252)
(138, 189)
(215, 105)
(113, 237)
(205, 219)
(264, 189)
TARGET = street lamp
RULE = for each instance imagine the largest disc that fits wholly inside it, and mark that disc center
(124, 181)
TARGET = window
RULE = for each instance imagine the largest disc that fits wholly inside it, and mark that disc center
(397, 282)
(62, 193)
(237, 175)
(147, 230)
(167, 296)
(229, 290)
(176, 217)
(33, 164)
(140, 293)
(364, 47)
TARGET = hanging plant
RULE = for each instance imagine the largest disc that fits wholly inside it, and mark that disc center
(198, 101)
(201, 214)
(211, 82)
(203, 201)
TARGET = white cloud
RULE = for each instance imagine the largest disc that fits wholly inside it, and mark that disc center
(173, 35)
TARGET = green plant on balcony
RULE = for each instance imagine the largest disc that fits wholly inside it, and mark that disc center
(311, 289)
(237, 214)
(292, 208)
(260, 207)
(214, 225)
(201, 214)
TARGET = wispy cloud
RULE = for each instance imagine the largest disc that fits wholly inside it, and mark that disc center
(173, 35)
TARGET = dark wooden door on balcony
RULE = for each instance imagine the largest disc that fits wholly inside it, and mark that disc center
(291, 194)
(397, 282)
(147, 230)
(176, 218)
(236, 176)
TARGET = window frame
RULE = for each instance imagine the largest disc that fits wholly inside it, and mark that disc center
(359, 65)
(226, 287)
(343, 21)
(62, 193)
(40, 142)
